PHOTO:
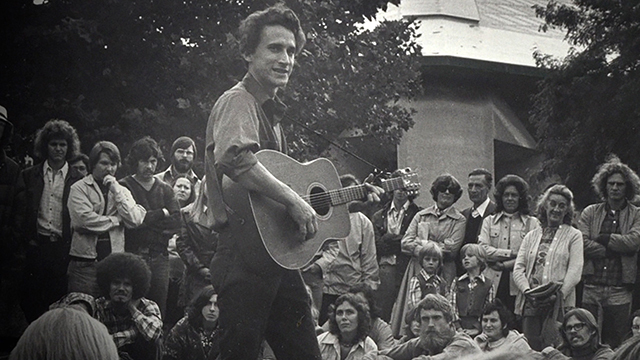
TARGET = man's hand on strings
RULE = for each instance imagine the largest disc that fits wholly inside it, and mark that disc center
(306, 218)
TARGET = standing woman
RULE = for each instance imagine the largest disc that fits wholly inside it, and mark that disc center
(196, 246)
(502, 234)
(349, 326)
(441, 223)
(551, 254)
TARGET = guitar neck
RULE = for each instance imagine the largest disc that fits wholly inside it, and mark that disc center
(359, 192)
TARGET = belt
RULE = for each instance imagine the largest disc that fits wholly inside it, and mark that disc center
(48, 238)
(81, 259)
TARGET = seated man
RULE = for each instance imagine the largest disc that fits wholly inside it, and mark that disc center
(581, 339)
(438, 338)
(133, 321)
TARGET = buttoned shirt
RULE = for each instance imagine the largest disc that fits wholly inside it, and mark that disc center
(50, 212)
(125, 328)
(500, 235)
(394, 223)
(330, 347)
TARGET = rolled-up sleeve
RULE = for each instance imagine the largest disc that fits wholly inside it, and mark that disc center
(235, 133)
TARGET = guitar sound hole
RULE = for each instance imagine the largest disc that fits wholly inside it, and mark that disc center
(320, 201)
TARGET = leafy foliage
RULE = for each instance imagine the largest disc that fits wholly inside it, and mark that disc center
(118, 70)
(588, 105)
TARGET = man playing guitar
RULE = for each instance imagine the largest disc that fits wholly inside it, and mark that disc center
(257, 298)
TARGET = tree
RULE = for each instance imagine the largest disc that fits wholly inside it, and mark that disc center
(587, 107)
(119, 69)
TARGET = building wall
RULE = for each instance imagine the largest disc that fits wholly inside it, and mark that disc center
(455, 132)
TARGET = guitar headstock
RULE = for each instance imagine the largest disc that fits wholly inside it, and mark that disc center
(405, 179)
(410, 181)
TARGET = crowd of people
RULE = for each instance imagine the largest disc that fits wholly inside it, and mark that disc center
(160, 265)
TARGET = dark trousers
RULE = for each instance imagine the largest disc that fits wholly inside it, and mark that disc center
(44, 279)
(387, 290)
(253, 307)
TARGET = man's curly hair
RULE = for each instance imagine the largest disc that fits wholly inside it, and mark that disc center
(611, 166)
(56, 129)
(364, 318)
(124, 266)
(142, 150)
(250, 29)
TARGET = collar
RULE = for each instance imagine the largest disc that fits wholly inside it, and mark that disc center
(502, 214)
(189, 174)
(89, 180)
(404, 207)
(479, 277)
(272, 106)
(450, 212)
(425, 275)
(332, 339)
(607, 208)
(254, 88)
(483, 207)
(64, 169)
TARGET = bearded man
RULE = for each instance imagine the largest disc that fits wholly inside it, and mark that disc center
(438, 338)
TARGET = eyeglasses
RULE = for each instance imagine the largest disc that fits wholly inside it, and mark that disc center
(183, 152)
(576, 327)
(635, 327)
(443, 188)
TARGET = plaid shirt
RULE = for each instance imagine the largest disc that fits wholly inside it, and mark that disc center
(453, 294)
(125, 328)
(434, 283)
(608, 271)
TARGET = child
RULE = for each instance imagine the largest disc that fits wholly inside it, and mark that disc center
(472, 291)
(428, 280)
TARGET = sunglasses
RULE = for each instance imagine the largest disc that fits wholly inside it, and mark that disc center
(443, 188)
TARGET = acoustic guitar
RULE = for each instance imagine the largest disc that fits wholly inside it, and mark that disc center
(318, 183)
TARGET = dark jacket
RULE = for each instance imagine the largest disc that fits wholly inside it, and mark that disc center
(28, 193)
(9, 172)
(185, 342)
(387, 243)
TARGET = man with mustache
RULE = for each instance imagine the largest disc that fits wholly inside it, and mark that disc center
(183, 153)
(611, 233)
(150, 240)
(581, 339)
(438, 338)
(133, 321)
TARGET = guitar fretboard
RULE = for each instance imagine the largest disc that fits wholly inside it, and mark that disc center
(351, 193)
